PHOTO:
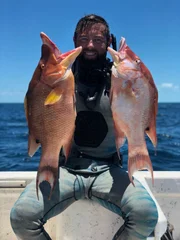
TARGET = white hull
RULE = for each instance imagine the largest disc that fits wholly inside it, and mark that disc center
(89, 221)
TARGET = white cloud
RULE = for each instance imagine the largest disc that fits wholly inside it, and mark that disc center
(176, 87)
(11, 93)
(169, 86)
(12, 96)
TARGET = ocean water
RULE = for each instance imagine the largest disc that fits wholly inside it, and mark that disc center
(14, 136)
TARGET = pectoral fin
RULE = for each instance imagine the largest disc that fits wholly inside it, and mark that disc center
(32, 145)
(151, 130)
(54, 96)
(151, 133)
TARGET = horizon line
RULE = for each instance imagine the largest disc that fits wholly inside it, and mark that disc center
(23, 103)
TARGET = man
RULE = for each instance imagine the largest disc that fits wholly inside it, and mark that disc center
(93, 169)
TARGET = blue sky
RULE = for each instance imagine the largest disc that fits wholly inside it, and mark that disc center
(151, 29)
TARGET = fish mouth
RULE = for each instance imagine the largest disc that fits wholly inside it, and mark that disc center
(122, 44)
(69, 57)
(114, 54)
(47, 41)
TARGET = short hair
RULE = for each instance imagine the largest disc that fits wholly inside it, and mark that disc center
(88, 21)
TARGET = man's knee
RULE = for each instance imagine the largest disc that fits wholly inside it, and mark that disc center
(146, 212)
(139, 211)
(24, 212)
(145, 216)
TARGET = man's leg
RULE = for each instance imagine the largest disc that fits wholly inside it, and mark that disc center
(29, 214)
(113, 190)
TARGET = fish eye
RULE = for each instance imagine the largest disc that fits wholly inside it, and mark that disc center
(137, 60)
(42, 66)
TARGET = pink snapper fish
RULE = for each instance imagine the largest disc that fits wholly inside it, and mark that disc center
(134, 104)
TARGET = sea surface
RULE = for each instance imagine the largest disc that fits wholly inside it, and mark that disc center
(14, 136)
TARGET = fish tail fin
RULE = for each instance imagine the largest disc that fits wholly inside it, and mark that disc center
(49, 172)
(138, 159)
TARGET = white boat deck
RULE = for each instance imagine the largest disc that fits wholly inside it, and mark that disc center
(94, 222)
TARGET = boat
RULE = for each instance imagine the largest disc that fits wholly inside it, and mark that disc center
(94, 222)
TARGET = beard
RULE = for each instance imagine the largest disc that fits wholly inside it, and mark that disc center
(97, 62)
(91, 71)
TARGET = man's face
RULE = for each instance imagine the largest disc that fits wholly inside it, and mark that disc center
(94, 43)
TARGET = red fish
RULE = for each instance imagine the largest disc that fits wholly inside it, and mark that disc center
(134, 104)
(50, 109)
